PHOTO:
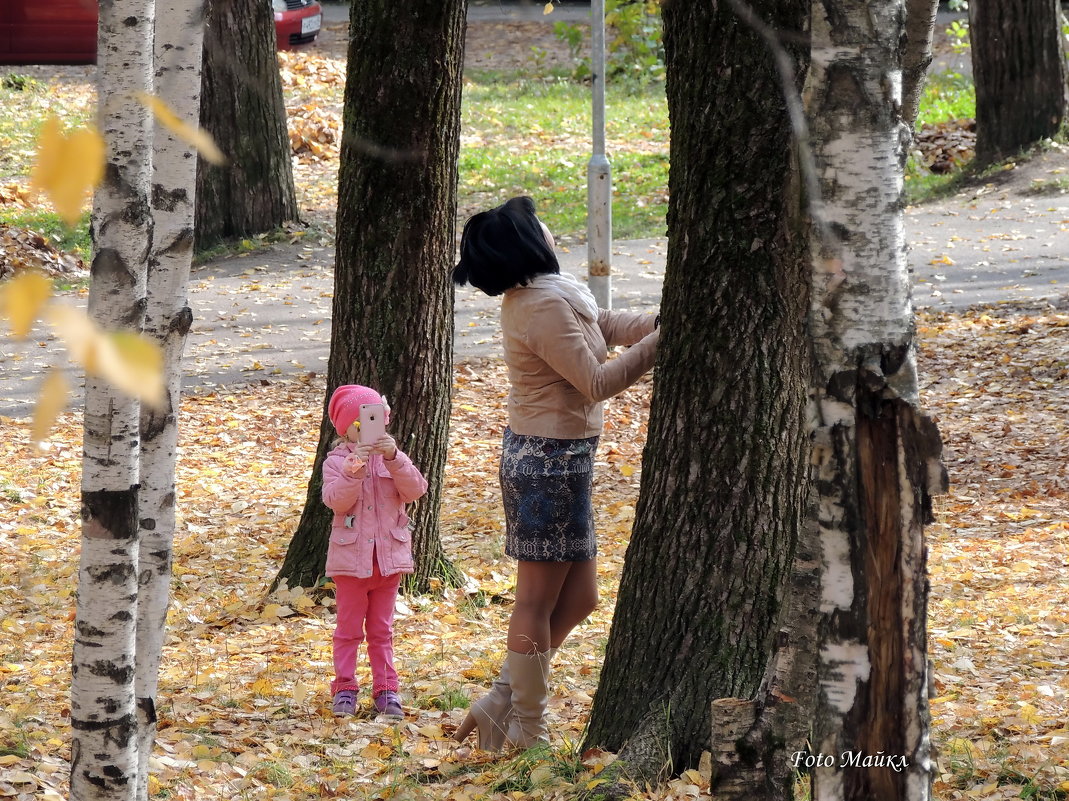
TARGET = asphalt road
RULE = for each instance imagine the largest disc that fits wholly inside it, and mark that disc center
(265, 315)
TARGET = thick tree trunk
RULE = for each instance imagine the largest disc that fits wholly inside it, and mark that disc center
(179, 29)
(103, 718)
(875, 458)
(722, 491)
(916, 55)
(1018, 60)
(392, 325)
(241, 106)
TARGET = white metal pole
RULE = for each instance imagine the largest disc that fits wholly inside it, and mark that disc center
(598, 173)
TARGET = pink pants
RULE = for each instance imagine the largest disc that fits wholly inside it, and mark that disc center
(365, 604)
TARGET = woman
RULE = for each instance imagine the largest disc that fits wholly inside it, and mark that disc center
(556, 343)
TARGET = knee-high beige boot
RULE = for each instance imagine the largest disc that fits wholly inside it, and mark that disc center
(530, 695)
(492, 713)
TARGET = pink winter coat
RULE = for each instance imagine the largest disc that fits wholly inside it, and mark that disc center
(369, 514)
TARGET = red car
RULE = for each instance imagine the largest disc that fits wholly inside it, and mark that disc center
(65, 31)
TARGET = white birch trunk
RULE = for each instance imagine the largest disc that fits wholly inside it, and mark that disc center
(875, 457)
(104, 746)
(178, 38)
(916, 55)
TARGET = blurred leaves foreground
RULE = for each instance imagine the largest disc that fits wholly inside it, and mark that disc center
(244, 709)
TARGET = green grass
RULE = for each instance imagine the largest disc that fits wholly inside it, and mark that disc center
(521, 134)
(55, 231)
(947, 96)
(524, 135)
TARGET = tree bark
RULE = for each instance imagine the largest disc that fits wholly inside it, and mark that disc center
(103, 719)
(875, 459)
(392, 317)
(242, 107)
(1019, 70)
(722, 492)
(178, 37)
(916, 55)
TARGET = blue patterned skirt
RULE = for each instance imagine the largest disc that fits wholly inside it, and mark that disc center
(546, 488)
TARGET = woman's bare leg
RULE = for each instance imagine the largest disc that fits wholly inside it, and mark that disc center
(577, 599)
(551, 599)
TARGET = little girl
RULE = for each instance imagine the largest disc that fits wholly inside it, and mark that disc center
(367, 486)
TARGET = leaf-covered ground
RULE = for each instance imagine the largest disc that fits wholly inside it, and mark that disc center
(244, 707)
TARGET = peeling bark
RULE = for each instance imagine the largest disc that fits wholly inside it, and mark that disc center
(875, 457)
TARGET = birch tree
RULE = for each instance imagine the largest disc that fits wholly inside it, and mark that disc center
(103, 719)
(178, 37)
(876, 457)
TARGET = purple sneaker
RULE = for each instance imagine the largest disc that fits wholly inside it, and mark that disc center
(388, 704)
(344, 703)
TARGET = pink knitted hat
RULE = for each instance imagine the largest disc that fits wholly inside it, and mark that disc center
(344, 406)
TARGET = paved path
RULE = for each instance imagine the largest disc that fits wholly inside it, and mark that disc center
(265, 315)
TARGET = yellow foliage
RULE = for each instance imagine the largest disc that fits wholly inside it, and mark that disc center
(50, 403)
(21, 300)
(68, 168)
(198, 138)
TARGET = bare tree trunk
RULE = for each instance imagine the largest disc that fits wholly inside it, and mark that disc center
(723, 469)
(392, 319)
(916, 55)
(875, 456)
(103, 717)
(178, 36)
(242, 107)
(1018, 60)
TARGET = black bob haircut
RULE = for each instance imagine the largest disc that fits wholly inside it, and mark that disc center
(503, 248)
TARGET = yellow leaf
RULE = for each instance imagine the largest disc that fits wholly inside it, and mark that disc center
(198, 138)
(300, 692)
(548, 9)
(133, 364)
(68, 167)
(21, 299)
(276, 610)
(50, 403)
(78, 334)
(627, 470)
(262, 687)
(127, 360)
(692, 776)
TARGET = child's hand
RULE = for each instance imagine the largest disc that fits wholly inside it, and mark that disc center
(386, 446)
(353, 466)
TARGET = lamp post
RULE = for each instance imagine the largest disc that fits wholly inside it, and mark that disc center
(599, 173)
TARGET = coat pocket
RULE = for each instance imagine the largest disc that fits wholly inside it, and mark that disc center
(343, 536)
(401, 553)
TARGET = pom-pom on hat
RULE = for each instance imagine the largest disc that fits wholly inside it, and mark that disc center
(344, 406)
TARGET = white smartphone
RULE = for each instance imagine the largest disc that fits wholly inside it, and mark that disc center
(372, 423)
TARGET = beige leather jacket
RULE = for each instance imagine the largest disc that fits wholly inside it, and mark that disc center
(558, 363)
